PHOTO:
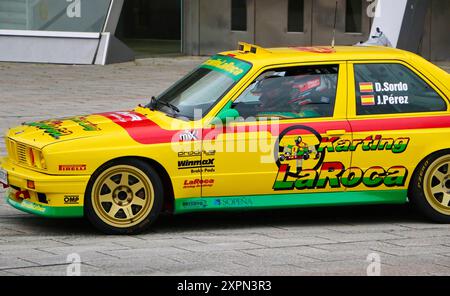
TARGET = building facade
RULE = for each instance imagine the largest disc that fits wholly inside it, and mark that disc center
(101, 31)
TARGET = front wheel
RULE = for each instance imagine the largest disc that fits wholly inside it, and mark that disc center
(124, 197)
(430, 187)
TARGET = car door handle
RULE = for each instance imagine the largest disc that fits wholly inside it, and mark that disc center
(336, 132)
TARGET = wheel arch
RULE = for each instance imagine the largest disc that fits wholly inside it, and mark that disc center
(419, 164)
(169, 195)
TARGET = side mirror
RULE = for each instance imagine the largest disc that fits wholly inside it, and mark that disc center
(227, 113)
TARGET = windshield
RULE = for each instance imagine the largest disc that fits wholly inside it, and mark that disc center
(202, 88)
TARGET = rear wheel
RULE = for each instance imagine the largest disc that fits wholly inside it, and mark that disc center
(124, 197)
(430, 188)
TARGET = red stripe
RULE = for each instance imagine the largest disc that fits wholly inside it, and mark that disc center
(400, 123)
(145, 131)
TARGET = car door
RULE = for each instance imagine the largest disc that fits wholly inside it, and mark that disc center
(285, 143)
(394, 112)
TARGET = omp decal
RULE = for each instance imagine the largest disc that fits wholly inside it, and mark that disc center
(72, 167)
(71, 199)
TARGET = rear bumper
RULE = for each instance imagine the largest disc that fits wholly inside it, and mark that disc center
(52, 196)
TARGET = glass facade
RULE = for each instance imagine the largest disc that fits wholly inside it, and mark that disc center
(54, 15)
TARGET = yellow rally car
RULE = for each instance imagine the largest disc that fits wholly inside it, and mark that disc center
(248, 129)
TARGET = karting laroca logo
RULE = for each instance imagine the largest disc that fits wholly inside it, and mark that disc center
(300, 155)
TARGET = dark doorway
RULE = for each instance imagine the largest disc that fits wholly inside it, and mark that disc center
(151, 27)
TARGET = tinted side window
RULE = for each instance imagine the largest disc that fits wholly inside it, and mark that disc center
(294, 92)
(393, 88)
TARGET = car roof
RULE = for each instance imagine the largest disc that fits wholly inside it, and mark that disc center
(255, 54)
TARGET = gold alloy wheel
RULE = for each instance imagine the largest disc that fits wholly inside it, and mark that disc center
(437, 185)
(122, 196)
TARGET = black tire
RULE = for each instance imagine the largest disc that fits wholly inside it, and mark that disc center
(153, 211)
(420, 194)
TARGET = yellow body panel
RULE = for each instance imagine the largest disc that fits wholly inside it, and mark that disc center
(72, 149)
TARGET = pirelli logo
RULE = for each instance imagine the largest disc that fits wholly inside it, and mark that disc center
(72, 167)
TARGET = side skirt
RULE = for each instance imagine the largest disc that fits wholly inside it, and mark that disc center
(277, 201)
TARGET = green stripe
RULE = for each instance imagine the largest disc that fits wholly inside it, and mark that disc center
(228, 66)
(47, 211)
(185, 205)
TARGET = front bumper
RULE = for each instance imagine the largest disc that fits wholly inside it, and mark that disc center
(52, 196)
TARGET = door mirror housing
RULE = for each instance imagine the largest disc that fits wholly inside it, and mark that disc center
(228, 113)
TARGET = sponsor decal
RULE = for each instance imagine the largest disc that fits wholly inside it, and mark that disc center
(316, 49)
(53, 128)
(198, 183)
(32, 206)
(195, 204)
(191, 164)
(233, 202)
(311, 172)
(72, 167)
(85, 124)
(197, 153)
(71, 199)
(334, 175)
(126, 116)
(234, 68)
(189, 135)
(370, 143)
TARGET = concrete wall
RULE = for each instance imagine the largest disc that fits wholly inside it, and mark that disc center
(206, 26)
(436, 40)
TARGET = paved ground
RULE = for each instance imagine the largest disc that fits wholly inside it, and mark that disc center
(330, 241)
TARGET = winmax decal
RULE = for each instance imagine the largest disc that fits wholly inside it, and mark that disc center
(192, 164)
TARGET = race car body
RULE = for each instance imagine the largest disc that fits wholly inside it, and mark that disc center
(248, 129)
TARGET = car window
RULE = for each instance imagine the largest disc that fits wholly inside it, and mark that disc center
(294, 92)
(391, 89)
(201, 89)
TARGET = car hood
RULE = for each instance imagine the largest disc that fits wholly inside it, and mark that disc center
(140, 125)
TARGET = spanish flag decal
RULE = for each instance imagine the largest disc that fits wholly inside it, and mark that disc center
(366, 87)
(368, 100)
